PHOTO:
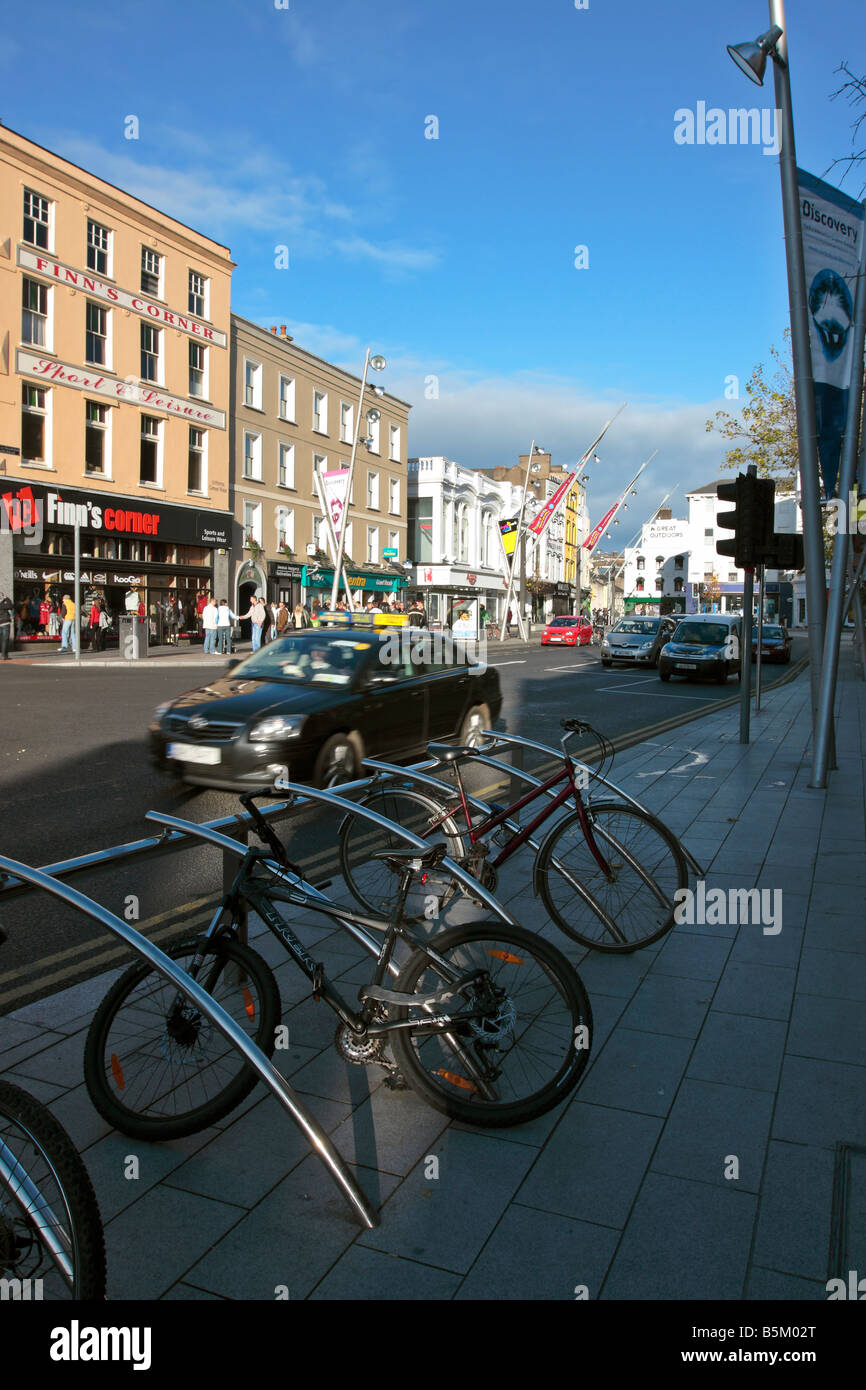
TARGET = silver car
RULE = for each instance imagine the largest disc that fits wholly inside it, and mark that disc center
(637, 641)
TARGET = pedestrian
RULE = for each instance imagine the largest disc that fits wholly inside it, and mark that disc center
(93, 625)
(314, 613)
(225, 618)
(299, 616)
(54, 621)
(209, 625)
(7, 618)
(273, 609)
(172, 621)
(282, 619)
(417, 614)
(508, 623)
(258, 615)
(484, 616)
(44, 614)
(68, 637)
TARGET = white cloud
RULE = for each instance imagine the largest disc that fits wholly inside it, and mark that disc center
(391, 256)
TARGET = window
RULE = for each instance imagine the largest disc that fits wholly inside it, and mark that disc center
(150, 337)
(641, 562)
(346, 423)
(34, 414)
(679, 562)
(95, 438)
(151, 447)
(287, 465)
(285, 528)
(320, 412)
(394, 446)
(252, 384)
(639, 586)
(253, 522)
(708, 531)
(373, 491)
(678, 585)
(98, 247)
(660, 559)
(36, 219)
(96, 335)
(197, 298)
(287, 398)
(34, 317)
(197, 369)
(372, 544)
(320, 463)
(252, 456)
(321, 540)
(196, 474)
(394, 496)
(373, 434)
(394, 543)
(151, 269)
(732, 576)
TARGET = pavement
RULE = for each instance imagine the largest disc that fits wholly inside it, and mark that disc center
(713, 1151)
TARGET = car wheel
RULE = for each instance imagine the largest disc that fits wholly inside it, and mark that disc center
(606, 664)
(664, 675)
(338, 762)
(478, 718)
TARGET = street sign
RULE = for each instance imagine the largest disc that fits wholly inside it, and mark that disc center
(9, 449)
(389, 553)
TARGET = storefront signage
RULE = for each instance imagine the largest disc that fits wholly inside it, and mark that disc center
(36, 507)
(112, 294)
(323, 579)
(279, 570)
(132, 392)
(390, 552)
(68, 577)
(9, 449)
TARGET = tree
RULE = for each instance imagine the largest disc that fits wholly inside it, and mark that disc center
(767, 423)
(854, 91)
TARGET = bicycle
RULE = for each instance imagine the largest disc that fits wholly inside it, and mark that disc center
(51, 1239)
(486, 1023)
(621, 865)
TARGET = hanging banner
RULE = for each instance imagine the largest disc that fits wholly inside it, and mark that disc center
(592, 539)
(832, 226)
(508, 532)
(334, 489)
(552, 505)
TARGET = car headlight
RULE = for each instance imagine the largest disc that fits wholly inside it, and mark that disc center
(276, 726)
(646, 646)
(605, 642)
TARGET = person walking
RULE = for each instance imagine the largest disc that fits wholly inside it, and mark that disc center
(258, 616)
(7, 618)
(299, 616)
(225, 618)
(209, 616)
(417, 614)
(172, 621)
(282, 619)
(68, 637)
(93, 626)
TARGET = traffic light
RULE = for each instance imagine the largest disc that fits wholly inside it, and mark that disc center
(751, 520)
(786, 553)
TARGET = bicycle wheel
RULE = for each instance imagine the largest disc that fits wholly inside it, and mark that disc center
(155, 1067)
(648, 867)
(51, 1238)
(370, 881)
(522, 1031)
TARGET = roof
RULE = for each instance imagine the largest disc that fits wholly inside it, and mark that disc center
(708, 487)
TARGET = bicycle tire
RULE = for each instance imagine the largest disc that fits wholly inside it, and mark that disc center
(651, 916)
(139, 1075)
(52, 1163)
(553, 1009)
(373, 885)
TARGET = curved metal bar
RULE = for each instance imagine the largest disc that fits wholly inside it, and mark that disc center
(36, 1211)
(268, 1073)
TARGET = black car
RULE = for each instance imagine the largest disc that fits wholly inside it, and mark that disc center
(775, 643)
(310, 706)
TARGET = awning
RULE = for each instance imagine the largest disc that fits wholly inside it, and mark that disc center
(380, 580)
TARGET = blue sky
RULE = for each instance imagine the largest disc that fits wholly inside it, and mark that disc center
(454, 257)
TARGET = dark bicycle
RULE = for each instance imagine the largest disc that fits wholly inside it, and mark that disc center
(487, 1022)
(608, 873)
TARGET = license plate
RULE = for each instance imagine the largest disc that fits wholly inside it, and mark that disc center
(189, 753)
(554, 639)
(687, 665)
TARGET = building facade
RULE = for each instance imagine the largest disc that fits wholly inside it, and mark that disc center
(114, 392)
(293, 416)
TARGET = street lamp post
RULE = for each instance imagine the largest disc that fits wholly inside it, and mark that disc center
(751, 58)
(378, 364)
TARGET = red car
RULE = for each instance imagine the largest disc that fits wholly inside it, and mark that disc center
(568, 632)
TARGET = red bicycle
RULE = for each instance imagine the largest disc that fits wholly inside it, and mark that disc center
(607, 873)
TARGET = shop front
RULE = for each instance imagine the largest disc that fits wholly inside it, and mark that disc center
(134, 555)
(364, 582)
(449, 594)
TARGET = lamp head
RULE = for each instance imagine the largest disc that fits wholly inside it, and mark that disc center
(373, 414)
(751, 58)
(378, 363)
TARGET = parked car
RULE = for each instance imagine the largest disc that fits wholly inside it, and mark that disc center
(775, 643)
(567, 631)
(706, 644)
(637, 641)
(319, 701)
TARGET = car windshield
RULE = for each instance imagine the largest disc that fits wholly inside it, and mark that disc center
(308, 659)
(563, 622)
(702, 634)
(774, 632)
(644, 627)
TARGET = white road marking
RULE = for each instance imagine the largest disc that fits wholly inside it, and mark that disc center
(698, 760)
(521, 661)
(572, 670)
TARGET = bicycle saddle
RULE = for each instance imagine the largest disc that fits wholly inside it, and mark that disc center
(426, 859)
(449, 753)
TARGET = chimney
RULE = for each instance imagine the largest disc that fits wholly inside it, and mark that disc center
(282, 330)
(273, 329)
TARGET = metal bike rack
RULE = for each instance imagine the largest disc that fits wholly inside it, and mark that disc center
(265, 1070)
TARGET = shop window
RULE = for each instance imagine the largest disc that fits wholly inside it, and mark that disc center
(98, 248)
(37, 220)
(197, 369)
(34, 424)
(34, 316)
(197, 297)
(96, 334)
(96, 438)
(151, 272)
(150, 345)
(196, 467)
(150, 467)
